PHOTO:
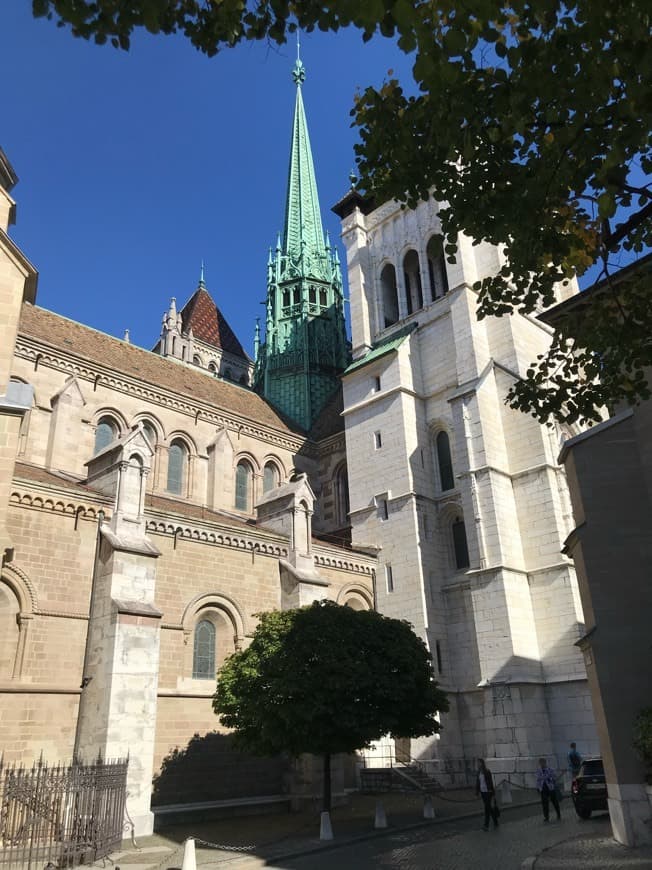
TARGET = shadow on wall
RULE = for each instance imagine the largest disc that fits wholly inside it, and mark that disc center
(209, 768)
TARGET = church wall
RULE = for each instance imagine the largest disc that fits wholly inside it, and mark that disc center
(501, 623)
(34, 722)
(70, 442)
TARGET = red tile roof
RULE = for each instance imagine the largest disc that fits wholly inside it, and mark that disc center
(208, 324)
(150, 368)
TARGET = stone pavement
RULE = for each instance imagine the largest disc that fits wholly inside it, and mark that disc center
(453, 841)
(593, 850)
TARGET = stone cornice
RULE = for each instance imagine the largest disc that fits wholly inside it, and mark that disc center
(75, 366)
(43, 496)
(350, 562)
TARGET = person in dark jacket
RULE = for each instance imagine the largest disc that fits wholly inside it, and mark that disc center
(484, 786)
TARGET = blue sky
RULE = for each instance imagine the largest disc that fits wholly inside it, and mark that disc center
(134, 166)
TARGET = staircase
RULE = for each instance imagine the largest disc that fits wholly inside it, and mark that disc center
(406, 775)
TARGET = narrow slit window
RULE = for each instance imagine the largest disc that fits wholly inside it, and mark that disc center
(460, 545)
(389, 577)
(378, 440)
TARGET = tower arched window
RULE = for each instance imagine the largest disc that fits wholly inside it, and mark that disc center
(413, 288)
(270, 477)
(460, 546)
(105, 433)
(437, 267)
(341, 496)
(196, 360)
(244, 476)
(444, 462)
(203, 653)
(177, 460)
(389, 294)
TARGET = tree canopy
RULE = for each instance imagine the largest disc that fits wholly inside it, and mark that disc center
(528, 121)
(326, 679)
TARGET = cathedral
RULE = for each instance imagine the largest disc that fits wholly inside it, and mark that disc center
(152, 502)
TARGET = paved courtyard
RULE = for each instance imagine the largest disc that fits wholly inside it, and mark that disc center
(454, 841)
(455, 845)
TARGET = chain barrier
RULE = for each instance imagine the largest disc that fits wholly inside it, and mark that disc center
(169, 860)
(221, 846)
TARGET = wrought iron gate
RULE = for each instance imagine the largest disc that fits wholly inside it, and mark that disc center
(61, 814)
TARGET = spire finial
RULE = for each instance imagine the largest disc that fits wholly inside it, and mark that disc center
(299, 71)
(202, 283)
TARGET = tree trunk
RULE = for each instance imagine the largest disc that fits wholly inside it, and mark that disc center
(327, 782)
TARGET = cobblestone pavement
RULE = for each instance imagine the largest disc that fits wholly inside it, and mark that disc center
(454, 841)
(461, 845)
(594, 851)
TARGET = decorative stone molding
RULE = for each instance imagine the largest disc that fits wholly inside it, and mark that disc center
(57, 505)
(218, 538)
(342, 564)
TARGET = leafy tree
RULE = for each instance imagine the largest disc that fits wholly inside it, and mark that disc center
(326, 679)
(529, 120)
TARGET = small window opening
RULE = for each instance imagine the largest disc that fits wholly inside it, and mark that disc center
(378, 441)
(389, 577)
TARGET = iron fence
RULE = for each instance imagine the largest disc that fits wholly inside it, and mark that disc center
(62, 814)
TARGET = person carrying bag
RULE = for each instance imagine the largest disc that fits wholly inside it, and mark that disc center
(484, 787)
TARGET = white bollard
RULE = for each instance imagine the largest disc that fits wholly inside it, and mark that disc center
(506, 793)
(189, 859)
(325, 828)
(428, 809)
(381, 819)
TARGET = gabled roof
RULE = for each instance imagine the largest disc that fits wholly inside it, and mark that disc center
(329, 421)
(151, 369)
(384, 346)
(208, 323)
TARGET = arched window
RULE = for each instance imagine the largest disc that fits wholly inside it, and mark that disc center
(106, 431)
(243, 480)
(341, 496)
(270, 477)
(177, 458)
(196, 360)
(203, 653)
(437, 267)
(446, 476)
(150, 433)
(9, 630)
(389, 294)
(228, 374)
(460, 547)
(212, 368)
(412, 275)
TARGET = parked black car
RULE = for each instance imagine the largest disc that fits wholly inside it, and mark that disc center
(589, 789)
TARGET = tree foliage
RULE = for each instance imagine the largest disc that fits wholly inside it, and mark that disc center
(529, 120)
(326, 679)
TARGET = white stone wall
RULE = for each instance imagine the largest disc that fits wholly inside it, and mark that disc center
(506, 627)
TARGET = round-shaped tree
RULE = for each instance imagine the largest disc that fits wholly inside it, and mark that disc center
(326, 679)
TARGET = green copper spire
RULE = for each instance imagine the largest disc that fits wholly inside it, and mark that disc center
(302, 229)
(305, 348)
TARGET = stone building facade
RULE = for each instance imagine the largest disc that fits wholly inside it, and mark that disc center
(152, 503)
(464, 497)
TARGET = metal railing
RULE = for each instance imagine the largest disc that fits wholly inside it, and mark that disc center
(61, 814)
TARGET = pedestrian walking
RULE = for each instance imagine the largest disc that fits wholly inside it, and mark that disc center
(484, 787)
(547, 787)
(574, 761)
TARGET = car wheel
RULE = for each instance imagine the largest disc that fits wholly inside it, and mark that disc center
(583, 812)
